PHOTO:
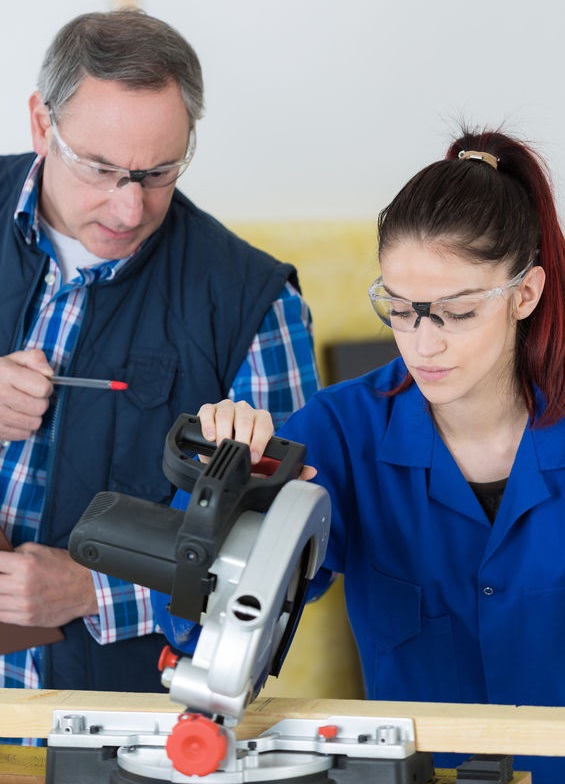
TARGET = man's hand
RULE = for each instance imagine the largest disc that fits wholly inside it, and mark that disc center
(25, 389)
(43, 586)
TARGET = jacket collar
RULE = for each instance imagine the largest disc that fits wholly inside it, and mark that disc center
(412, 440)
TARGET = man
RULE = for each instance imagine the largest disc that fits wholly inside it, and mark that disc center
(109, 272)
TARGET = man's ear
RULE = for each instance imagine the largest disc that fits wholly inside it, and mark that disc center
(40, 123)
(528, 294)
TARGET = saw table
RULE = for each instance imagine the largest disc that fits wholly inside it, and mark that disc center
(469, 729)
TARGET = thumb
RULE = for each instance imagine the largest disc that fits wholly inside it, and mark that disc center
(34, 359)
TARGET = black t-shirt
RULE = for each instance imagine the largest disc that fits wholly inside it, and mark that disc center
(490, 495)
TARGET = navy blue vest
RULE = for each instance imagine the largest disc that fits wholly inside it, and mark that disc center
(176, 324)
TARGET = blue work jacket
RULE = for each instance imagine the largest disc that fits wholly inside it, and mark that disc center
(444, 605)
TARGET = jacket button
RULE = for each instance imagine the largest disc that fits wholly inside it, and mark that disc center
(488, 591)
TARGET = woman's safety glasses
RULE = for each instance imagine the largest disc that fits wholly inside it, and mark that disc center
(454, 314)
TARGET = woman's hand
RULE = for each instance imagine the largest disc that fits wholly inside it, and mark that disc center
(243, 423)
(239, 421)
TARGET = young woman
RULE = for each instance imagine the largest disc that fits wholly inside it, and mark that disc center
(446, 467)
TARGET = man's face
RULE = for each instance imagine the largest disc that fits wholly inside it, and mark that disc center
(107, 123)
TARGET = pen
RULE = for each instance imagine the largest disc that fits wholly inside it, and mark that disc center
(91, 383)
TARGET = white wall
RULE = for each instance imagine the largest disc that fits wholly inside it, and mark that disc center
(323, 108)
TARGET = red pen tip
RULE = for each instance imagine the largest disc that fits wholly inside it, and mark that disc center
(118, 385)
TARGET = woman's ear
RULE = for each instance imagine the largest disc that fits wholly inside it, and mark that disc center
(528, 293)
(40, 123)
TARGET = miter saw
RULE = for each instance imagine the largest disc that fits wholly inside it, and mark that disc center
(237, 562)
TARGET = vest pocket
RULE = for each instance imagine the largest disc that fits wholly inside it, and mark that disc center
(143, 417)
(150, 379)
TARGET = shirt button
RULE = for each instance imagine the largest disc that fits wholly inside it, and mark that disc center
(488, 591)
(4, 443)
(50, 278)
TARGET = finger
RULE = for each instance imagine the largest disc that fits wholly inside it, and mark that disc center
(32, 383)
(263, 430)
(207, 417)
(34, 359)
(244, 417)
(7, 566)
(20, 414)
(233, 420)
(19, 375)
(239, 421)
(17, 407)
(17, 427)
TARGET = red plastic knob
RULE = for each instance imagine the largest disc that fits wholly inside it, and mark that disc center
(328, 731)
(167, 658)
(196, 745)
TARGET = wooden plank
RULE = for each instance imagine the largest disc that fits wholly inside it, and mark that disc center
(469, 729)
(22, 760)
(28, 713)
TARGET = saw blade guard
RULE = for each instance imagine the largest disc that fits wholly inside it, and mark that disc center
(261, 575)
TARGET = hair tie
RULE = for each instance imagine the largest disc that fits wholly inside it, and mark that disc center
(473, 155)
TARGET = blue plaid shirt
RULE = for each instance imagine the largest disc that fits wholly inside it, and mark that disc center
(279, 374)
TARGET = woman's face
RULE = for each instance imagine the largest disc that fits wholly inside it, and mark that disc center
(450, 366)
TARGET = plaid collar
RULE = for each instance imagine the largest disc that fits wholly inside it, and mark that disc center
(26, 215)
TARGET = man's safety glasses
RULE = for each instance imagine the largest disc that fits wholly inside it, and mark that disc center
(107, 177)
(454, 314)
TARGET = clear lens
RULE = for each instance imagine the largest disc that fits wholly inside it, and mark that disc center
(454, 314)
(110, 178)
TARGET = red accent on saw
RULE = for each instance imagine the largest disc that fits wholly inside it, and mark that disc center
(167, 659)
(266, 466)
(196, 745)
(328, 731)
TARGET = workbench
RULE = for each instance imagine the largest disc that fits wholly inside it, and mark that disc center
(447, 727)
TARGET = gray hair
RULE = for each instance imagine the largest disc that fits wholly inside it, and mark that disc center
(126, 45)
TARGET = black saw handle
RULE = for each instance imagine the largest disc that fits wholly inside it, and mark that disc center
(221, 490)
(282, 459)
